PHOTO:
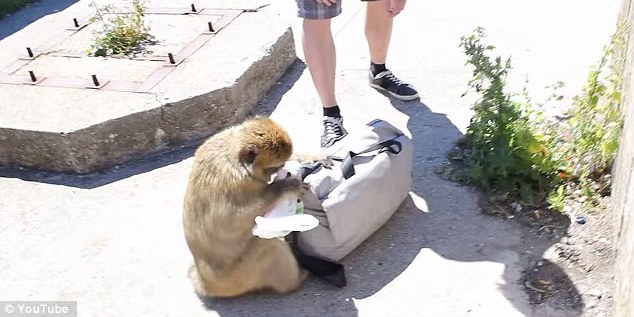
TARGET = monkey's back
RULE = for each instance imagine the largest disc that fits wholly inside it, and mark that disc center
(216, 226)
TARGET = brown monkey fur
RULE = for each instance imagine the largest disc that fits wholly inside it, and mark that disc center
(228, 187)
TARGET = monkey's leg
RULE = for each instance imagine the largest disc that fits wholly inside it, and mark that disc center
(230, 283)
(267, 264)
(280, 270)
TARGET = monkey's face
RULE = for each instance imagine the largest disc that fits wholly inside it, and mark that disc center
(267, 149)
(272, 170)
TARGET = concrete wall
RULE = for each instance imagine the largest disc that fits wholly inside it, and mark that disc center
(623, 187)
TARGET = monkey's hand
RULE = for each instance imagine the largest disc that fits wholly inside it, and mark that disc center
(311, 158)
(304, 190)
(282, 187)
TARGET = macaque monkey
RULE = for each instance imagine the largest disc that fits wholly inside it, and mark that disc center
(229, 185)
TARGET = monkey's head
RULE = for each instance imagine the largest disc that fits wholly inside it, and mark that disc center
(266, 148)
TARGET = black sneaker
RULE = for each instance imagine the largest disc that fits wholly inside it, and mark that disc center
(333, 131)
(387, 82)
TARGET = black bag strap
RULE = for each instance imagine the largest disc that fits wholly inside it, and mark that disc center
(391, 146)
(331, 272)
(308, 169)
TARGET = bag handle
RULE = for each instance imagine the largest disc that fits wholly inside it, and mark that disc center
(391, 146)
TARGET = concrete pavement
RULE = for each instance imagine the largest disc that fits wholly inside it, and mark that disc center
(113, 241)
(143, 104)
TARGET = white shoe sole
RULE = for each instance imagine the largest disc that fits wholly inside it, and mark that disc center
(335, 141)
(400, 97)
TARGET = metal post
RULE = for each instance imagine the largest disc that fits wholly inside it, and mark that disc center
(95, 80)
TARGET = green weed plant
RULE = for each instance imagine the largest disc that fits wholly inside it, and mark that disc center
(122, 34)
(512, 148)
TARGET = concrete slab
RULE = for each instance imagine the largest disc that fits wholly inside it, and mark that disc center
(113, 241)
(209, 89)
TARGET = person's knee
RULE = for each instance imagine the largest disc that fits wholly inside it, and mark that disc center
(314, 25)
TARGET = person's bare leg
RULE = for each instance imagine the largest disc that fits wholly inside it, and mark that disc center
(321, 58)
(378, 30)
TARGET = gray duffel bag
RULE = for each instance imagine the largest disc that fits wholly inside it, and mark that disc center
(370, 178)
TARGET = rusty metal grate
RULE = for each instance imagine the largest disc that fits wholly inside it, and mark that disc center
(170, 62)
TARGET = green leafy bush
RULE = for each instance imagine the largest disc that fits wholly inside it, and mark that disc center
(504, 152)
(586, 142)
(512, 148)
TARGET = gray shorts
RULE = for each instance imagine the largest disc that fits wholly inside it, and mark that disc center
(311, 9)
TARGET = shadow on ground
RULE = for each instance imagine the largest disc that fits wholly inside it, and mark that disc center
(449, 225)
(440, 217)
(30, 14)
(472, 236)
(104, 177)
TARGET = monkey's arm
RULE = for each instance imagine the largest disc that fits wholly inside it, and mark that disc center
(315, 157)
(278, 190)
(282, 187)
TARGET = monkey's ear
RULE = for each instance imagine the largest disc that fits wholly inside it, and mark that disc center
(248, 154)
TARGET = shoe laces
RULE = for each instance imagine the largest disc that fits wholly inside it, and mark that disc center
(390, 76)
(332, 126)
